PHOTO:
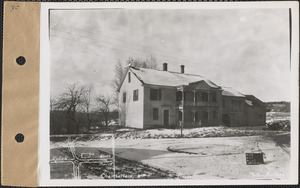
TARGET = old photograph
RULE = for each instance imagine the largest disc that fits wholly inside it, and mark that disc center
(170, 94)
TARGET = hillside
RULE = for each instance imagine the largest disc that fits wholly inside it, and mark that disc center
(280, 106)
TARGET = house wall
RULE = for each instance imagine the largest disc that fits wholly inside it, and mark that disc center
(255, 115)
(131, 113)
(235, 111)
(167, 102)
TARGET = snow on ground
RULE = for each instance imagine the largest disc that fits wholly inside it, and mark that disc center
(202, 158)
(202, 132)
(277, 116)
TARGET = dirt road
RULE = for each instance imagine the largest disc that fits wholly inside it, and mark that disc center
(206, 158)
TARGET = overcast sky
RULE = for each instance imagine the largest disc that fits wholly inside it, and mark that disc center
(245, 49)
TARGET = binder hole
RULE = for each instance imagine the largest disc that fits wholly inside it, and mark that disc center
(19, 137)
(21, 60)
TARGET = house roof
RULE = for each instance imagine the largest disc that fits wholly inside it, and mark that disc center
(228, 91)
(250, 103)
(167, 78)
(254, 101)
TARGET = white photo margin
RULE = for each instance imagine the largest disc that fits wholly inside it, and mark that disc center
(44, 119)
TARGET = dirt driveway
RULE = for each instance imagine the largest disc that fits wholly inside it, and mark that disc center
(206, 158)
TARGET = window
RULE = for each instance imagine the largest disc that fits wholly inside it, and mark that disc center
(204, 96)
(129, 77)
(155, 94)
(136, 95)
(205, 115)
(179, 96)
(155, 113)
(213, 97)
(180, 116)
(223, 103)
(124, 97)
(196, 116)
(196, 96)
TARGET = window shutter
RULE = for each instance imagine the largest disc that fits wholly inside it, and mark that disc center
(159, 94)
(196, 116)
(151, 94)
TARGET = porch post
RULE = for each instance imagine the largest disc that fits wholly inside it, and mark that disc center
(194, 91)
(182, 112)
(182, 106)
(208, 96)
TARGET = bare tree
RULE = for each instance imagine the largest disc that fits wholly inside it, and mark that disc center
(87, 104)
(104, 103)
(70, 102)
(119, 74)
(150, 63)
(53, 104)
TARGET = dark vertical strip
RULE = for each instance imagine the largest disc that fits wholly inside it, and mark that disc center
(1, 78)
(290, 25)
(49, 24)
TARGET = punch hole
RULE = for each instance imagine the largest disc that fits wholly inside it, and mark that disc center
(19, 137)
(21, 60)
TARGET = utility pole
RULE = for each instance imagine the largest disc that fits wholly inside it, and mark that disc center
(182, 124)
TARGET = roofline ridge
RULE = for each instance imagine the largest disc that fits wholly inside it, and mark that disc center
(168, 71)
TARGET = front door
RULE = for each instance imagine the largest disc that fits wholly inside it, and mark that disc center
(166, 117)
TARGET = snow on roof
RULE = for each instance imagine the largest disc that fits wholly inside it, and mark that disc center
(167, 78)
(249, 102)
(228, 91)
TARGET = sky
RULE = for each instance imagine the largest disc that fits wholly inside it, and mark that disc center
(246, 49)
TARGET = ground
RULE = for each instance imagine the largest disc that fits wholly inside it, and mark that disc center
(214, 157)
(200, 153)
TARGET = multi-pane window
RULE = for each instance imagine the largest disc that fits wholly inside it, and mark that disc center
(155, 94)
(129, 77)
(179, 96)
(124, 97)
(155, 114)
(135, 95)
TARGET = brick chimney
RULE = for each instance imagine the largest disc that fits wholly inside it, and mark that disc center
(182, 68)
(165, 66)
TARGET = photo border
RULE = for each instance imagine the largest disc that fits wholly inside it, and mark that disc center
(44, 143)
